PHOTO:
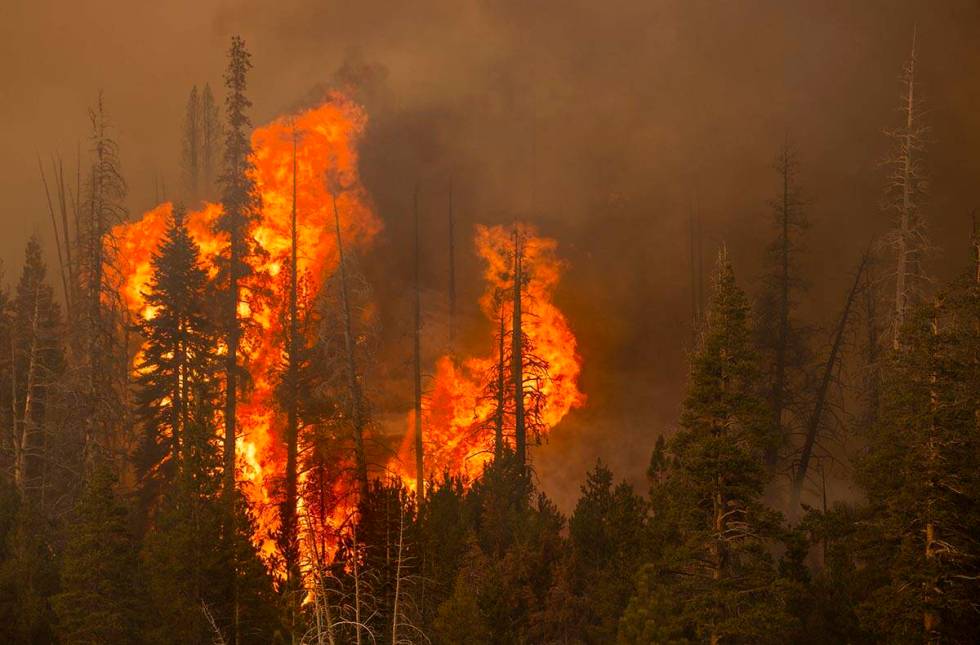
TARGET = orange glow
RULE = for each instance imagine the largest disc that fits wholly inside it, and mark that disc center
(326, 144)
(458, 413)
(457, 410)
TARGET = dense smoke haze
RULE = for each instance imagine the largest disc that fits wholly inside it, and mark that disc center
(605, 124)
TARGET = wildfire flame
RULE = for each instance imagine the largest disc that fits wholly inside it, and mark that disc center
(326, 150)
(458, 410)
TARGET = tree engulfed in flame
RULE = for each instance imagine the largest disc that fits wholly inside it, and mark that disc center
(325, 140)
(459, 412)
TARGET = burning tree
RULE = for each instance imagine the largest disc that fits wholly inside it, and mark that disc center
(240, 203)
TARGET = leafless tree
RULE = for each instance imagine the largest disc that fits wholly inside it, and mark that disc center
(904, 193)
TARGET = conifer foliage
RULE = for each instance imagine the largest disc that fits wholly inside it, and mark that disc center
(715, 579)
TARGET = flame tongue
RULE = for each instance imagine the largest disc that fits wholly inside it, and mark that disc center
(326, 139)
(457, 409)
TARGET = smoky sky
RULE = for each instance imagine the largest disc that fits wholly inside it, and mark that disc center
(604, 123)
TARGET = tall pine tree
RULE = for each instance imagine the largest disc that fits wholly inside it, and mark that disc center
(921, 478)
(177, 387)
(715, 580)
(241, 204)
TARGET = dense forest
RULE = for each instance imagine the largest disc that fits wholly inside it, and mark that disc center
(191, 449)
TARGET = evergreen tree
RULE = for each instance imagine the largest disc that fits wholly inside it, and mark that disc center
(210, 151)
(608, 541)
(715, 580)
(29, 573)
(191, 145)
(37, 363)
(921, 478)
(99, 600)
(177, 388)
(241, 204)
(781, 341)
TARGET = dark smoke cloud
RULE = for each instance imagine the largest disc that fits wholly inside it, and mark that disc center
(603, 122)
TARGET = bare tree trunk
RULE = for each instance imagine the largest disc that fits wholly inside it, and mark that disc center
(930, 619)
(354, 387)
(25, 433)
(417, 343)
(717, 546)
(905, 232)
(813, 426)
(517, 362)
(63, 270)
(398, 576)
(357, 585)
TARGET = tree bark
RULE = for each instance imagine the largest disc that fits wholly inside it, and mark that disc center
(517, 362)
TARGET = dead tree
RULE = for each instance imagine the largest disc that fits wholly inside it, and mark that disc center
(104, 209)
(905, 190)
(816, 417)
(62, 234)
(417, 346)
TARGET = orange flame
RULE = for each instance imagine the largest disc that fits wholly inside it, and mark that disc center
(326, 139)
(457, 411)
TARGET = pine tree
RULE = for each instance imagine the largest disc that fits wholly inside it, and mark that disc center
(781, 340)
(191, 152)
(921, 478)
(210, 142)
(241, 204)
(99, 599)
(177, 388)
(715, 580)
(608, 541)
(37, 363)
